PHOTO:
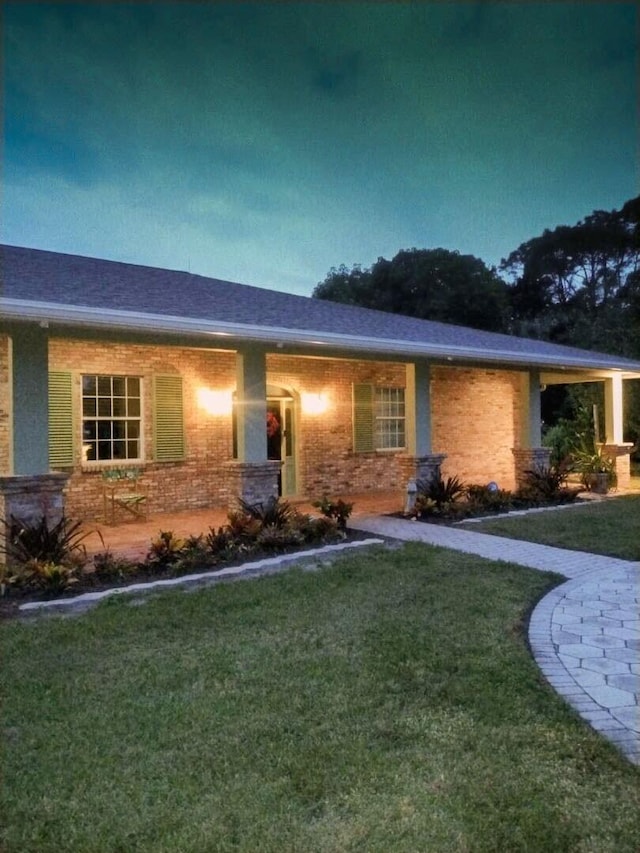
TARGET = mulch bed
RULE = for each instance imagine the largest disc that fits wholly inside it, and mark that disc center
(10, 602)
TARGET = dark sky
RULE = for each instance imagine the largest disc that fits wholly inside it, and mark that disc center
(267, 142)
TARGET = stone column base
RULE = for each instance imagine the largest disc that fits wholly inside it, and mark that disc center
(529, 459)
(31, 497)
(424, 468)
(254, 482)
(620, 453)
(416, 469)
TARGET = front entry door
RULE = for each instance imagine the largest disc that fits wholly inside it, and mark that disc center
(281, 441)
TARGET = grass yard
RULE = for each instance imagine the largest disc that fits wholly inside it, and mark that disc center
(385, 703)
(609, 527)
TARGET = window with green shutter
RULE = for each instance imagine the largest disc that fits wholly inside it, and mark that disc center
(168, 419)
(378, 418)
(60, 419)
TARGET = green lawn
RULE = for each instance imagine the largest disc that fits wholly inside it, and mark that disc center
(386, 703)
(608, 527)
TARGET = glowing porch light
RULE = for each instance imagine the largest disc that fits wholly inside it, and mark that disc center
(215, 402)
(314, 404)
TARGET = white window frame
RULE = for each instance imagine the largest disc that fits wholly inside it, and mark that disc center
(389, 410)
(112, 418)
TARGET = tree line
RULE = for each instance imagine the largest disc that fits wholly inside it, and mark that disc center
(575, 284)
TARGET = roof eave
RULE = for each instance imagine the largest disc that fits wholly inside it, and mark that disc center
(218, 331)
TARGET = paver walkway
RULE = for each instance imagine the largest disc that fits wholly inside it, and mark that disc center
(584, 634)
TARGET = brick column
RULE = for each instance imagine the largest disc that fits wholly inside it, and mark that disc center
(620, 453)
(254, 482)
(529, 459)
(425, 467)
(31, 497)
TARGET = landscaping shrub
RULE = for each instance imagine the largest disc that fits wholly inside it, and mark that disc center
(42, 576)
(107, 568)
(59, 543)
(269, 527)
(547, 484)
(273, 538)
(316, 529)
(485, 499)
(274, 512)
(338, 510)
(589, 461)
(438, 496)
(166, 550)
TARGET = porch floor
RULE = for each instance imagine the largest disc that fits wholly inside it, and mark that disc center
(131, 539)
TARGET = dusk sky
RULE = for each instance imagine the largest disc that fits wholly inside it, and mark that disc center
(267, 142)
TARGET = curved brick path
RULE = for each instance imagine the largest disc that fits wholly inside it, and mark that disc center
(584, 634)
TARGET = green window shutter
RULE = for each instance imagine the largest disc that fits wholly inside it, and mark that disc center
(60, 419)
(168, 419)
(363, 421)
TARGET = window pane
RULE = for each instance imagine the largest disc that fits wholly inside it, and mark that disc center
(119, 450)
(119, 429)
(111, 411)
(389, 409)
(119, 407)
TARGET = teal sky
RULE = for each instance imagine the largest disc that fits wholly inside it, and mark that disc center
(267, 142)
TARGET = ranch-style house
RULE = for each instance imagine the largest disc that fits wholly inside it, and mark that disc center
(211, 390)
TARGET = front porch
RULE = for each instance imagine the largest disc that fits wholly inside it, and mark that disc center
(131, 539)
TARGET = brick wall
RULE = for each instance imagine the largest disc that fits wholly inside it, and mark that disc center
(476, 422)
(327, 462)
(202, 479)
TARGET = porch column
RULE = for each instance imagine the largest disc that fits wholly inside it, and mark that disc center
(420, 463)
(614, 445)
(30, 380)
(30, 491)
(613, 416)
(529, 454)
(254, 478)
(251, 412)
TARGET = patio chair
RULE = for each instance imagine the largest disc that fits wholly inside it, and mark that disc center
(122, 490)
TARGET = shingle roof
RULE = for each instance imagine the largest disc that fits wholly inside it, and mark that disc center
(38, 276)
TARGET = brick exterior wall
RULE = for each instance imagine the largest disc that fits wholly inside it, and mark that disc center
(475, 420)
(202, 479)
(326, 459)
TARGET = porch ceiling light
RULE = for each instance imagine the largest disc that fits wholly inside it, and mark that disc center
(314, 404)
(215, 402)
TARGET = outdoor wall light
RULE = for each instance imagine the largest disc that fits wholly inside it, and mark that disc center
(314, 404)
(215, 402)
